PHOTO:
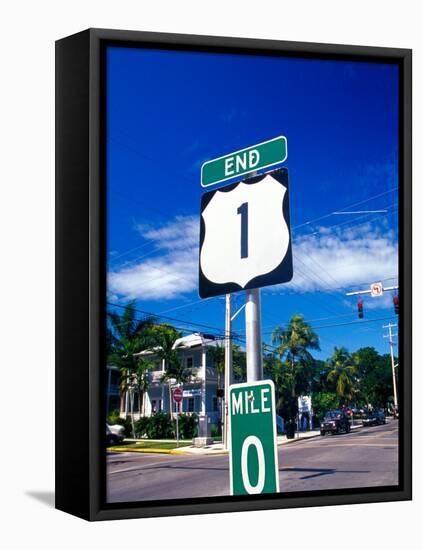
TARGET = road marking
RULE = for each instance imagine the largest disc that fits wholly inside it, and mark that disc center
(143, 466)
(356, 445)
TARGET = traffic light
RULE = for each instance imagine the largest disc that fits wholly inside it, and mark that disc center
(360, 308)
(396, 304)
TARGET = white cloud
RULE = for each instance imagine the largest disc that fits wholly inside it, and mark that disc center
(323, 261)
(173, 273)
(338, 257)
(180, 233)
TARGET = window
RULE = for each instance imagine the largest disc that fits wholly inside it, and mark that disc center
(189, 362)
(154, 406)
(215, 404)
(114, 403)
(114, 377)
(136, 402)
(191, 404)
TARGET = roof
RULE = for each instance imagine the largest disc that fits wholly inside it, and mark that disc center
(195, 340)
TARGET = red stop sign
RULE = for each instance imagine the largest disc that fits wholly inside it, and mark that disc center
(177, 395)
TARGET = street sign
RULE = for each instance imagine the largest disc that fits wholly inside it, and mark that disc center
(245, 235)
(376, 289)
(304, 403)
(192, 392)
(253, 439)
(177, 395)
(239, 163)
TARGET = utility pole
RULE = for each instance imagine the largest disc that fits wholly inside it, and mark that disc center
(228, 367)
(393, 365)
(254, 369)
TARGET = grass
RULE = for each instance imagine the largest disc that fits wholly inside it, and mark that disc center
(155, 444)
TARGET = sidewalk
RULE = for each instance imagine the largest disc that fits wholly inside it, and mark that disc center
(218, 447)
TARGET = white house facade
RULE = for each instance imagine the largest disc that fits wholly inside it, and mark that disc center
(199, 392)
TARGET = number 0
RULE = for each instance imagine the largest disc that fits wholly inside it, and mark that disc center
(243, 211)
(253, 489)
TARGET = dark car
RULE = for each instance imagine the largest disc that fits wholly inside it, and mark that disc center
(335, 422)
(374, 418)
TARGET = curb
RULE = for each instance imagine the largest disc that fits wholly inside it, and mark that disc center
(145, 450)
(296, 440)
(356, 427)
(211, 453)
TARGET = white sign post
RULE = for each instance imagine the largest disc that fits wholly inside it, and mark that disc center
(177, 397)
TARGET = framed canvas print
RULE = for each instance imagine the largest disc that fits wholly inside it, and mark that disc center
(233, 274)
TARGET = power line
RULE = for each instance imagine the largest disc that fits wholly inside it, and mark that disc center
(356, 322)
(148, 313)
(342, 209)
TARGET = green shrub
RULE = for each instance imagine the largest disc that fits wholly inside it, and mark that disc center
(127, 424)
(160, 426)
(141, 426)
(114, 417)
(215, 430)
(323, 402)
(187, 426)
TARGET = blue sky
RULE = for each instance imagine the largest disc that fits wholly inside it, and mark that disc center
(168, 112)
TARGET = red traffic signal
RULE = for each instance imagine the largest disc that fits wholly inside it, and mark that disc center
(360, 308)
(396, 304)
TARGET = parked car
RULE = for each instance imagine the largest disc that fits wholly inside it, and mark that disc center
(114, 434)
(374, 418)
(334, 422)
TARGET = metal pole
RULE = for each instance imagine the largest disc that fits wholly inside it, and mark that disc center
(132, 397)
(228, 360)
(253, 335)
(390, 339)
(177, 423)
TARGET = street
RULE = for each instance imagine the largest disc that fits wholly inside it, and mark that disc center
(364, 458)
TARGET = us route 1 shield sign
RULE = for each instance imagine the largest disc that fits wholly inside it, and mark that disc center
(253, 439)
(245, 237)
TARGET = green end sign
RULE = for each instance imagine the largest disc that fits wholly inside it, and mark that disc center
(253, 439)
(242, 162)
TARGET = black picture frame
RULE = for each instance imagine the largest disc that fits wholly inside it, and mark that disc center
(81, 280)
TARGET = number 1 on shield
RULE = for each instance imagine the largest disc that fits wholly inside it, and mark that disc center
(243, 211)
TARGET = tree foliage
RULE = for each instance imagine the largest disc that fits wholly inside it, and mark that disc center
(360, 379)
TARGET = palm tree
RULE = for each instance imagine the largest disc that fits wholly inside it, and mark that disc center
(217, 355)
(294, 341)
(164, 338)
(342, 373)
(292, 345)
(142, 380)
(127, 335)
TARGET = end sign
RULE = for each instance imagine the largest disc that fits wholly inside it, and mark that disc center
(239, 163)
(253, 439)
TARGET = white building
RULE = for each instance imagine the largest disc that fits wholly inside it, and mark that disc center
(199, 393)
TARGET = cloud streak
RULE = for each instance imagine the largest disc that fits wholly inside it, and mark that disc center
(323, 261)
(172, 274)
(341, 258)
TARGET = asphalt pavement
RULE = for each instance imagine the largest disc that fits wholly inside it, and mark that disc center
(364, 458)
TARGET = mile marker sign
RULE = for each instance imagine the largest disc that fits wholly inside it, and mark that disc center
(263, 155)
(245, 235)
(253, 439)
